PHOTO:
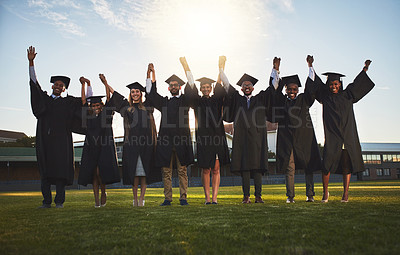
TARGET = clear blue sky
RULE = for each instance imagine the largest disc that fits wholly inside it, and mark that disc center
(119, 39)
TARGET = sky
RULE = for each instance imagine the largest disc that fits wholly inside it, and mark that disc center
(119, 38)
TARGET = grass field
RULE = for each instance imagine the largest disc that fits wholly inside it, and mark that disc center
(368, 224)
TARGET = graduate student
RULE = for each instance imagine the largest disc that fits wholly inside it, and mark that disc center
(174, 143)
(212, 148)
(99, 164)
(139, 140)
(56, 119)
(250, 148)
(297, 146)
(342, 149)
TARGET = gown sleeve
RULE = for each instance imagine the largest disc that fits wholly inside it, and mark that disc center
(154, 99)
(192, 95)
(38, 98)
(361, 86)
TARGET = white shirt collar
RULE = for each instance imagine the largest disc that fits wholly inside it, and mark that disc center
(54, 96)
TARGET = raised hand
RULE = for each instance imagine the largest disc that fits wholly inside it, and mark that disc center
(31, 54)
(310, 60)
(367, 63)
(103, 79)
(82, 80)
(184, 63)
(276, 63)
(221, 62)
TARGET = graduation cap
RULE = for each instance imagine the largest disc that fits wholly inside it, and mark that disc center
(175, 78)
(291, 79)
(95, 99)
(64, 79)
(136, 85)
(247, 77)
(333, 76)
(205, 80)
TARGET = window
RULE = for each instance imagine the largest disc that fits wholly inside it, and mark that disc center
(386, 172)
(379, 172)
(372, 158)
(391, 157)
(366, 172)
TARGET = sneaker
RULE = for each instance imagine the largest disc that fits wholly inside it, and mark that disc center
(259, 200)
(59, 206)
(44, 206)
(207, 203)
(214, 203)
(183, 202)
(96, 206)
(246, 200)
(290, 200)
(166, 202)
(310, 199)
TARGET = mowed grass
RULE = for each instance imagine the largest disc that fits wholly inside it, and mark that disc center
(368, 224)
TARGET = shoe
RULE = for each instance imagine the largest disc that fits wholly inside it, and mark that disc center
(141, 203)
(208, 203)
(135, 203)
(290, 200)
(259, 200)
(344, 201)
(246, 200)
(59, 206)
(44, 206)
(96, 206)
(214, 203)
(310, 199)
(166, 202)
(183, 202)
(325, 200)
(103, 201)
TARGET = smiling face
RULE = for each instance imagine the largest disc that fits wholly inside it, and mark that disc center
(136, 95)
(174, 88)
(96, 107)
(247, 88)
(58, 88)
(334, 86)
(291, 90)
(206, 89)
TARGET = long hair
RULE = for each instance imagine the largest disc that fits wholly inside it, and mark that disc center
(140, 106)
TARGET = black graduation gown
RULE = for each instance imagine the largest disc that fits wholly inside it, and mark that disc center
(140, 137)
(99, 148)
(296, 130)
(174, 129)
(210, 132)
(250, 144)
(340, 124)
(54, 148)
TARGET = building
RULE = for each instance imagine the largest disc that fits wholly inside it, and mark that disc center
(10, 136)
(381, 160)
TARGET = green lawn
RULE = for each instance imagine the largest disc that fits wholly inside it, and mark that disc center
(368, 224)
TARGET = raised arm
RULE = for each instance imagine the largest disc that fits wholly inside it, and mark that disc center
(109, 89)
(188, 73)
(31, 57)
(274, 78)
(362, 84)
(154, 99)
(82, 80)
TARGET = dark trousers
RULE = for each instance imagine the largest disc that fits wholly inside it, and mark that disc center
(246, 183)
(290, 180)
(46, 192)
